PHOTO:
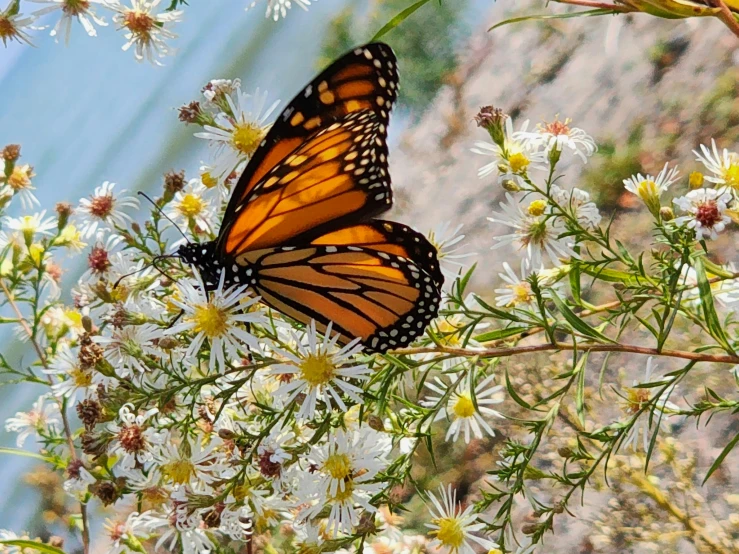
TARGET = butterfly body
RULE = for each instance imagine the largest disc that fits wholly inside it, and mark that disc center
(299, 229)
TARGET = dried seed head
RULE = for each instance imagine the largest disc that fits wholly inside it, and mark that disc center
(12, 152)
(174, 181)
(190, 113)
(89, 412)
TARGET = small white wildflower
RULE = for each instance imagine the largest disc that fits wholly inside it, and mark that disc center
(446, 239)
(321, 371)
(558, 135)
(636, 399)
(277, 9)
(724, 165)
(536, 235)
(706, 209)
(41, 419)
(466, 418)
(134, 438)
(217, 317)
(577, 203)
(454, 529)
(193, 206)
(81, 10)
(147, 32)
(516, 160)
(650, 188)
(103, 210)
(236, 138)
(19, 183)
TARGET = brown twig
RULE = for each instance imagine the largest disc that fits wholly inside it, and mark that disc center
(65, 420)
(727, 16)
(559, 346)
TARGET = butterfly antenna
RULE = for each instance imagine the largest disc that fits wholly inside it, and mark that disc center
(147, 266)
(118, 282)
(164, 215)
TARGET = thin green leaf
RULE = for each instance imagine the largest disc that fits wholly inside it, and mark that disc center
(41, 547)
(725, 452)
(500, 334)
(517, 399)
(398, 19)
(580, 392)
(575, 322)
(709, 310)
(575, 283)
(611, 275)
(544, 17)
(717, 270)
(25, 453)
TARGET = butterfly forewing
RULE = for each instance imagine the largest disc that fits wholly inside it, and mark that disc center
(338, 175)
(365, 79)
(384, 288)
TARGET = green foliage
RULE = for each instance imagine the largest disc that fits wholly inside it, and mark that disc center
(425, 42)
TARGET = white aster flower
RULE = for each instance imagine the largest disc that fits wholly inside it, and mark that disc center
(193, 206)
(636, 399)
(65, 366)
(127, 348)
(277, 9)
(345, 468)
(271, 453)
(122, 534)
(460, 408)
(455, 529)
(558, 135)
(706, 209)
(104, 210)
(134, 438)
(516, 160)
(43, 418)
(19, 183)
(321, 371)
(237, 521)
(536, 235)
(185, 535)
(577, 203)
(81, 10)
(13, 27)
(517, 290)
(650, 188)
(30, 225)
(79, 479)
(724, 165)
(217, 317)
(446, 239)
(220, 88)
(147, 32)
(236, 137)
(195, 465)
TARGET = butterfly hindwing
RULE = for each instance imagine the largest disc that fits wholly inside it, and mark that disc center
(365, 79)
(338, 175)
(384, 288)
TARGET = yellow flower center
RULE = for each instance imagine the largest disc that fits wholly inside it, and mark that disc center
(521, 293)
(647, 190)
(191, 206)
(463, 407)
(518, 162)
(537, 207)
(246, 137)
(140, 23)
(210, 320)
(450, 532)
(695, 180)
(731, 176)
(448, 335)
(179, 471)
(346, 494)
(20, 178)
(635, 399)
(317, 369)
(339, 466)
(208, 180)
(80, 378)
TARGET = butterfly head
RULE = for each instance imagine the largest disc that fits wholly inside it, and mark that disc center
(205, 257)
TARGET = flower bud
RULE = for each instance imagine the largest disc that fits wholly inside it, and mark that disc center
(226, 434)
(11, 152)
(63, 210)
(87, 323)
(666, 213)
(190, 113)
(564, 452)
(168, 343)
(510, 185)
(493, 121)
(529, 529)
(174, 182)
(375, 422)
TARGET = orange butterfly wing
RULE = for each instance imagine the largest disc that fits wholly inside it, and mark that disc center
(339, 175)
(365, 79)
(379, 281)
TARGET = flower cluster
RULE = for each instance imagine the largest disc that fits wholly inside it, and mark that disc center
(146, 24)
(209, 422)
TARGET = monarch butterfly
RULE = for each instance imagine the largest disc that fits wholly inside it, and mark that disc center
(299, 225)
